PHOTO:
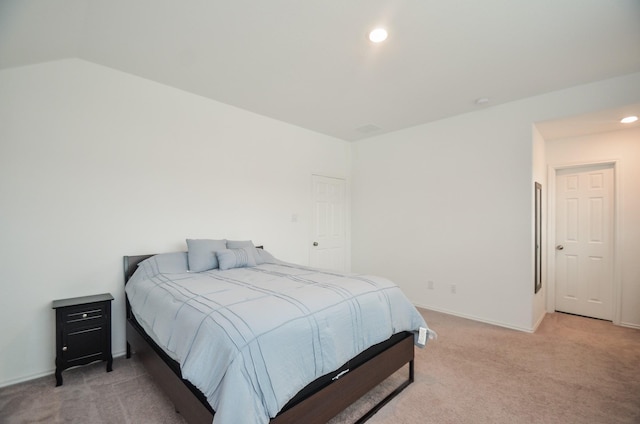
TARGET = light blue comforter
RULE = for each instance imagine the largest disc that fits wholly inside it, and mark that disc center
(251, 338)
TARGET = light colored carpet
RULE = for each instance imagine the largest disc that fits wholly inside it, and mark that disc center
(572, 370)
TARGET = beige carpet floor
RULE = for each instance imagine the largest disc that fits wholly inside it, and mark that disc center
(572, 370)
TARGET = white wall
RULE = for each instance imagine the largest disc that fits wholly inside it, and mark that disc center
(96, 164)
(452, 202)
(624, 147)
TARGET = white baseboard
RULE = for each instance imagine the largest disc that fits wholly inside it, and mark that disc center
(537, 324)
(49, 372)
(630, 325)
(29, 378)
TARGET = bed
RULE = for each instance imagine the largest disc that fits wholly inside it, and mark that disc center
(252, 386)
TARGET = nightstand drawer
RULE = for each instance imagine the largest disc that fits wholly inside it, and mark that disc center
(85, 314)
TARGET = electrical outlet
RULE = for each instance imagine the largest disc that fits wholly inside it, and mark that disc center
(453, 288)
(430, 285)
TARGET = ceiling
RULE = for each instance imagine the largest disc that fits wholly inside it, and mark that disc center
(309, 63)
(589, 123)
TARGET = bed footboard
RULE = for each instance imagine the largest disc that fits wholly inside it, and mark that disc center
(333, 399)
(318, 408)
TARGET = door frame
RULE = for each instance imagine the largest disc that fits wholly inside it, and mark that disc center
(347, 211)
(552, 169)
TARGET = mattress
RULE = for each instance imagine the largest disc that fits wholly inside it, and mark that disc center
(251, 338)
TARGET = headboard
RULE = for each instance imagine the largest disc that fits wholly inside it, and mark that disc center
(131, 263)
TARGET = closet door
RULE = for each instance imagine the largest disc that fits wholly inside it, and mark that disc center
(328, 233)
(584, 241)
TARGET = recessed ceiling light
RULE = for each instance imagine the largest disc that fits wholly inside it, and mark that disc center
(629, 119)
(482, 101)
(378, 35)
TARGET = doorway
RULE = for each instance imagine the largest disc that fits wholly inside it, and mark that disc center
(328, 223)
(583, 232)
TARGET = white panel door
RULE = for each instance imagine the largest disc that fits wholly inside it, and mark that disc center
(328, 249)
(584, 241)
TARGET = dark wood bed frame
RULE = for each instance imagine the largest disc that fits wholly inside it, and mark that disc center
(317, 403)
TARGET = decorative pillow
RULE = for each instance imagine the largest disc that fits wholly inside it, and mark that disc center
(168, 263)
(236, 258)
(236, 244)
(202, 253)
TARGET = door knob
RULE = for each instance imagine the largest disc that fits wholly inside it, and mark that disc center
(559, 247)
(315, 243)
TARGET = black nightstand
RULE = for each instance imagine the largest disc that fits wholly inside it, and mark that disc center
(83, 332)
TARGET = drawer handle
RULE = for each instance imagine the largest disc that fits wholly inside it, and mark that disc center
(64, 348)
(84, 315)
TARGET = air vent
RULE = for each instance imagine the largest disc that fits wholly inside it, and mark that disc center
(368, 129)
